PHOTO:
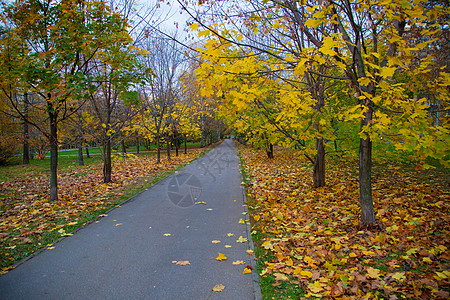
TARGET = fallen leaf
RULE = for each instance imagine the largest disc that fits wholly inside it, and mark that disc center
(201, 202)
(306, 274)
(230, 234)
(400, 276)
(337, 290)
(241, 221)
(218, 288)
(241, 239)
(247, 271)
(215, 242)
(238, 262)
(167, 234)
(315, 287)
(221, 257)
(250, 252)
(280, 277)
(373, 273)
(118, 224)
(227, 246)
(183, 262)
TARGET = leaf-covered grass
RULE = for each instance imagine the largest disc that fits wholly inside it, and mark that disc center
(310, 244)
(29, 221)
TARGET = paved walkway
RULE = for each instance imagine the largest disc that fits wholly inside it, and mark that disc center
(129, 254)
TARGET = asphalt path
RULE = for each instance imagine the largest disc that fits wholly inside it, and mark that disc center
(131, 252)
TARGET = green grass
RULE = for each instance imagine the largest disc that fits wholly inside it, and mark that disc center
(17, 170)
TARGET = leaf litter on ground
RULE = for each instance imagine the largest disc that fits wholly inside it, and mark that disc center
(312, 238)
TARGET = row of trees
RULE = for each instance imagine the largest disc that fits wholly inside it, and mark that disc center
(325, 76)
(86, 71)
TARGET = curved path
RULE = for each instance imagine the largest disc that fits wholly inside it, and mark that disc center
(130, 253)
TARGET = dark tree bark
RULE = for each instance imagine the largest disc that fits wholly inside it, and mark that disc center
(26, 133)
(137, 145)
(87, 152)
(158, 149)
(319, 165)
(124, 149)
(270, 151)
(107, 161)
(365, 170)
(185, 144)
(53, 156)
(168, 148)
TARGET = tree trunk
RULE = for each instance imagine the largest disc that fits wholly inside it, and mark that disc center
(185, 144)
(176, 147)
(270, 151)
(107, 162)
(365, 170)
(80, 152)
(87, 152)
(168, 148)
(218, 132)
(53, 157)
(124, 149)
(203, 138)
(137, 145)
(158, 149)
(26, 133)
(319, 164)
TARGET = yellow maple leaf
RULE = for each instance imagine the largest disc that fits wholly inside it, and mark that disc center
(400, 276)
(373, 273)
(247, 271)
(215, 242)
(306, 274)
(221, 257)
(218, 288)
(241, 239)
(238, 262)
(315, 287)
(193, 26)
(279, 276)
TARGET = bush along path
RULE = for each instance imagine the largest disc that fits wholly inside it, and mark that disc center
(185, 237)
(29, 221)
(309, 243)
